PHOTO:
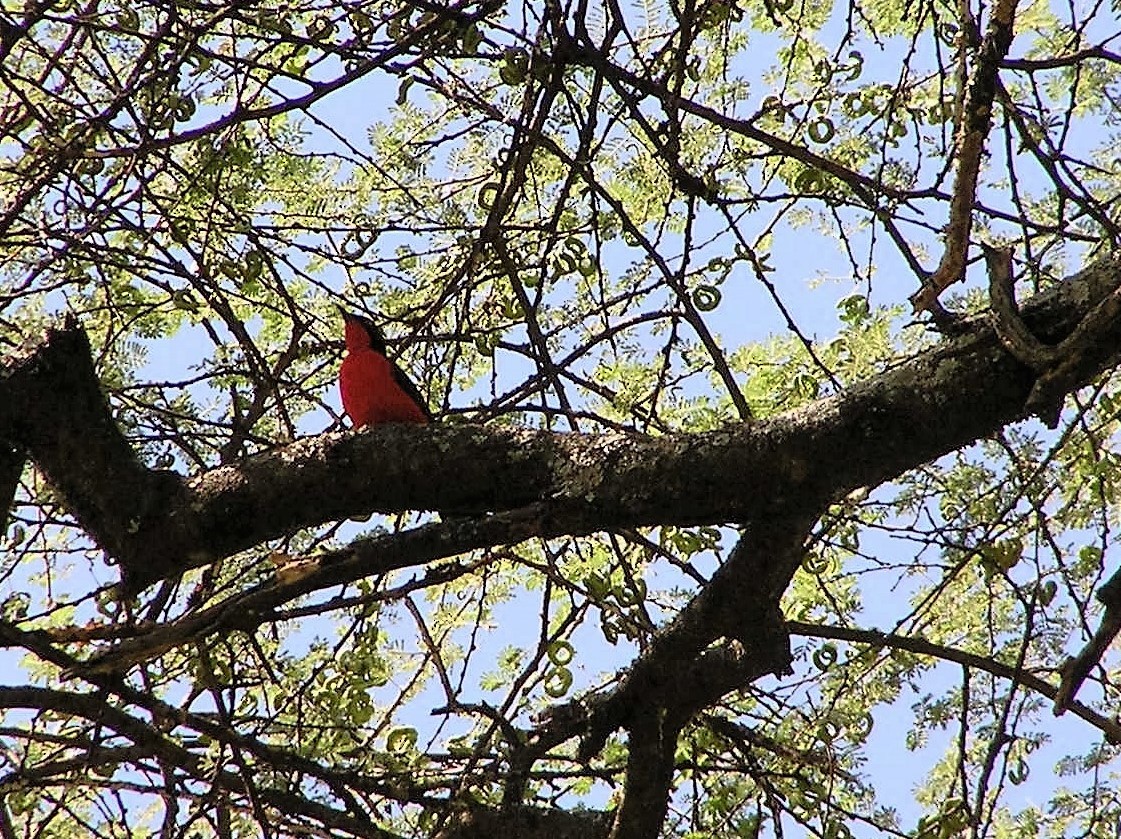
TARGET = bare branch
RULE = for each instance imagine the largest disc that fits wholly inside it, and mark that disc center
(972, 133)
(1075, 670)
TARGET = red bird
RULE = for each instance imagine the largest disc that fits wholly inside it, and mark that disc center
(373, 388)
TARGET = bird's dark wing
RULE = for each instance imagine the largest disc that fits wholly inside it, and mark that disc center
(406, 384)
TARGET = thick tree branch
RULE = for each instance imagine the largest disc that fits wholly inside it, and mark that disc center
(676, 677)
(158, 524)
(976, 120)
(1056, 364)
(649, 778)
(11, 467)
(480, 822)
(51, 406)
(740, 604)
(1075, 670)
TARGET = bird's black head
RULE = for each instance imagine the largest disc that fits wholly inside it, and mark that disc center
(361, 332)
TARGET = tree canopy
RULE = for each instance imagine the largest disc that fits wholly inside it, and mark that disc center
(774, 479)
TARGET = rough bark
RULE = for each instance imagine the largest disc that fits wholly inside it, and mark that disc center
(773, 478)
(157, 524)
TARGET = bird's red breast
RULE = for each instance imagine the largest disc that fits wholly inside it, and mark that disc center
(373, 389)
